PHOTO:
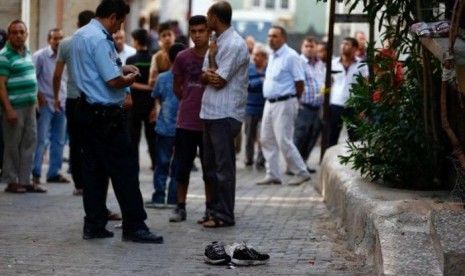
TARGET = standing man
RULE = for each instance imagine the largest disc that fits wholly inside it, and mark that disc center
(189, 89)
(307, 123)
(123, 49)
(142, 103)
(72, 99)
(255, 105)
(223, 110)
(18, 96)
(284, 84)
(51, 123)
(107, 149)
(362, 45)
(346, 67)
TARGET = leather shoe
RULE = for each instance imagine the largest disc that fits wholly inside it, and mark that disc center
(96, 234)
(142, 236)
(267, 181)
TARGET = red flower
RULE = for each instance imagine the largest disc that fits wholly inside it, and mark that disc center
(376, 97)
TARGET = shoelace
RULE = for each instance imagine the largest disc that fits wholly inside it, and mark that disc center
(252, 252)
(219, 248)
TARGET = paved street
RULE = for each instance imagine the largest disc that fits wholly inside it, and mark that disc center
(40, 234)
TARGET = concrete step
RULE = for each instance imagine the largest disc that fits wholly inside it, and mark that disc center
(447, 229)
(404, 252)
(391, 227)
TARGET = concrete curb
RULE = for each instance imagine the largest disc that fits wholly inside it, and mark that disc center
(390, 227)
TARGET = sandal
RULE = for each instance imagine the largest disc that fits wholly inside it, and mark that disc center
(216, 223)
(208, 216)
(15, 188)
(58, 179)
(31, 188)
(113, 216)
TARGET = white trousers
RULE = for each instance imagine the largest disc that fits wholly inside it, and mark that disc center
(277, 134)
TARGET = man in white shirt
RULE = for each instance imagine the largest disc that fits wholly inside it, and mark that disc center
(284, 84)
(123, 49)
(345, 69)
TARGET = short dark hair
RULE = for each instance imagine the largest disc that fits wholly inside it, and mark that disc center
(108, 7)
(197, 20)
(223, 11)
(85, 17)
(16, 21)
(281, 28)
(311, 39)
(174, 50)
(352, 40)
(54, 30)
(164, 27)
(141, 36)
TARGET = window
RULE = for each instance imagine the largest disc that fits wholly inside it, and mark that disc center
(270, 4)
(284, 4)
(256, 3)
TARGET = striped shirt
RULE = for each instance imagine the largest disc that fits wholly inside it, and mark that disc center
(19, 69)
(233, 66)
(314, 81)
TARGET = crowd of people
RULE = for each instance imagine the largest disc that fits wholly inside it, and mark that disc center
(192, 103)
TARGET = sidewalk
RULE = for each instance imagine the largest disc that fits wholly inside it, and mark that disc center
(41, 234)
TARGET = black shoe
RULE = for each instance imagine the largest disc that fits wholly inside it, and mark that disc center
(96, 234)
(142, 236)
(215, 254)
(245, 255)
(311, 170)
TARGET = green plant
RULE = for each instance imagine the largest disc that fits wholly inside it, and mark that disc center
(397, 130)
(392, 145)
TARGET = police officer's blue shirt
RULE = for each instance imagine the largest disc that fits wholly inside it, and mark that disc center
(94, 62)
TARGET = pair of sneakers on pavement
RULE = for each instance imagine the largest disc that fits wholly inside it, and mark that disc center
(238, 254)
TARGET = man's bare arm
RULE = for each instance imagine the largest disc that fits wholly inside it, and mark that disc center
(59, 68)
(10, 113)
(177, 86)
(299, 88)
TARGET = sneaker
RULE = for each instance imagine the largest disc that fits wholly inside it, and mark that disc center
(151, 204)
(215, 254)
(246, 255)
(178, 215)
(171, 205)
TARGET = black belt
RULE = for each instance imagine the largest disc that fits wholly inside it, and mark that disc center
(311, 107)
(281, 98)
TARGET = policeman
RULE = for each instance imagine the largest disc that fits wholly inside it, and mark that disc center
(107, 150)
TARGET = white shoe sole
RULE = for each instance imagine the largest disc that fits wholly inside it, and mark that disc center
(249, 262)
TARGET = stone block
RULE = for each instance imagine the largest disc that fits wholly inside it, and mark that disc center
(448, 233)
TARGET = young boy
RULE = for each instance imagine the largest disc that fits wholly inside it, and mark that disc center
(189, 89)
(160, 60)
(166, 130)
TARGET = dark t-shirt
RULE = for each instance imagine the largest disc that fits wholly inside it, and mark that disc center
(189, 65)
(141, 99)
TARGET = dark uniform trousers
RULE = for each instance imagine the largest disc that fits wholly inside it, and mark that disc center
(107, 152)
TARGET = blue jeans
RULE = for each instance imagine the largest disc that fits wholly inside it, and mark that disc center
(165, 162)
(51, 129)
